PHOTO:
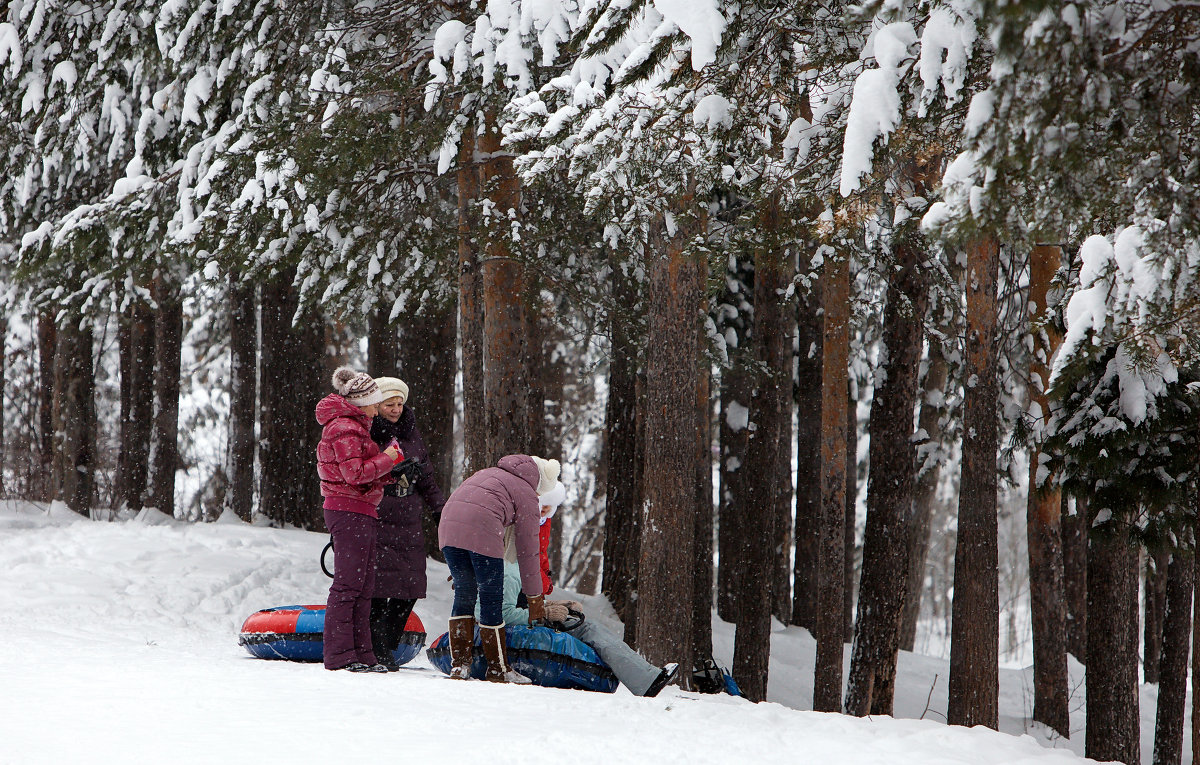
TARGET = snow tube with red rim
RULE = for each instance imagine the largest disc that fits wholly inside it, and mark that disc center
(295, 633)
(547, 657)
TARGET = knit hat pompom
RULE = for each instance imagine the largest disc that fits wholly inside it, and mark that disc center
(358, 388)
(548, 471)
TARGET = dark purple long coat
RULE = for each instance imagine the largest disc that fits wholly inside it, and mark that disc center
(400, 546)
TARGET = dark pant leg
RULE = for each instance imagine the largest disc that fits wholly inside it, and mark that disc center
(382, 635)
(400, 610)
(489, 572)
(466, 588)
(348, 609)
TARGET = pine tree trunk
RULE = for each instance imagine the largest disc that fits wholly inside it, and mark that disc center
(426, 363)
(974, 643)
(736, 386)
(835, 466)
(75, 414)
(925, 492)
(1043, 525)
(506, 326)
(702, 580)
(808, 459)
(136, 351)
(1173, 667)
(622, 449)
(243, 395)
(47, 344)
(770, 405)
(1112, 646)
(1155, 573)
(168, 344)
(851, 509)
(889, 495)
(1075, 545)
(470, 309)
(674, 301)
(781, 587)
(382, 343)
(294, 378)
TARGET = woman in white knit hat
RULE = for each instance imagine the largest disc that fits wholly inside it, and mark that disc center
(400, 548)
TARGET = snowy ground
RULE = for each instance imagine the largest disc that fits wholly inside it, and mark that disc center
(122, 647)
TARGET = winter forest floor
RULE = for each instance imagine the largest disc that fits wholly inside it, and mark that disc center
(121, 646)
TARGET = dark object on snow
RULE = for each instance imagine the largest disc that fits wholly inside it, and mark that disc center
(328, 548)
(708, 677)
(295, 633)
(549, 658)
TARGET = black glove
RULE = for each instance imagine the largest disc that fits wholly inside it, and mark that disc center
(437, 516)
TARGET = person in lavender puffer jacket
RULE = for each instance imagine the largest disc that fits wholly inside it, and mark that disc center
(471, 535)
(353, 472)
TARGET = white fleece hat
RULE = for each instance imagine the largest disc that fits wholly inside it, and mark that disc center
(552, 499)
(391, 387)
(356, 387)
(548, 471)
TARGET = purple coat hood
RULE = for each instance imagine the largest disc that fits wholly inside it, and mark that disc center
(478, 511)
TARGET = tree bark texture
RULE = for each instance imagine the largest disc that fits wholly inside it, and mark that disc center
(168, 344)
(810, 344)
(835, 465)
(622, 449)
(1075, 545)
(1051, 694)
(851, 509)
(383, 343)
(74, 414)
(425, 360)
(974, 642)
(737, 306)
(889, 494)
(736, 386)
(47, 344)
(243, 398)
(1155, 582)
(664, 598)
(1173, 666)
(294, 378)
(784, 533)
(929, 471)
(1112, 646)
(470, 309)
(702, 567)
(506, 325)
(137, 404)
(770, 405)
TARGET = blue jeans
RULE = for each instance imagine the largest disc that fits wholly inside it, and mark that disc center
(477, 577)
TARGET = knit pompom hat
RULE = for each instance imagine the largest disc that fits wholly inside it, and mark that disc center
(358, 388)
(548, 471)
(391, 387)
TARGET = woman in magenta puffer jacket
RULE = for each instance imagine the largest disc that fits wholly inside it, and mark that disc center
(353, 472)
(472, 537)
(400, 547)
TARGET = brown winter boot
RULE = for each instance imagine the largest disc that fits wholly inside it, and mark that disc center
(462, 646)
(495, 648)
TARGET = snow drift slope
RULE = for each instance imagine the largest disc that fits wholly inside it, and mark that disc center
(121, 646)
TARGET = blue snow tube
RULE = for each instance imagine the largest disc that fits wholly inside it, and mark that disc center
(296, 633)
(549, 658)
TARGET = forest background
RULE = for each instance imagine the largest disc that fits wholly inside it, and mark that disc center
(745, 267)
